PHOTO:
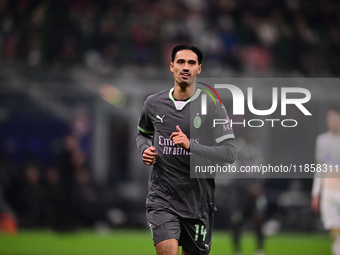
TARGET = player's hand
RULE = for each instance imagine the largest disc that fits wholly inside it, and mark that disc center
(316, 204)
(149, 156)
(179, 138)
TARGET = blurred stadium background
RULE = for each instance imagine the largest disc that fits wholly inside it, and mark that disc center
(74, 76)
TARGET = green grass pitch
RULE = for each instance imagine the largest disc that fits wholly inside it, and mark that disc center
(131, 242)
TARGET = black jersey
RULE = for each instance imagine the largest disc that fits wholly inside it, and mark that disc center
(170, 185)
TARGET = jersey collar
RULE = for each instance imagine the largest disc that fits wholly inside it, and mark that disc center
(192, 98)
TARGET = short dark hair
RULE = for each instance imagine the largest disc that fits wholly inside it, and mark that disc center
(334, 107)
(187, 47)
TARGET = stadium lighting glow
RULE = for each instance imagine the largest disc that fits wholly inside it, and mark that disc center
(112, 95)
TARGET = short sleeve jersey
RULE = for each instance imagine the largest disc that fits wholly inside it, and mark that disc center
(170, 185)
(328, 152)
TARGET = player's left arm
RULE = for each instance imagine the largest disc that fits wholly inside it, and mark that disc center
(225, 151)
(224, 148)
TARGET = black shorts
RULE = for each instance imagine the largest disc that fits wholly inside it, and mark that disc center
(194, 235)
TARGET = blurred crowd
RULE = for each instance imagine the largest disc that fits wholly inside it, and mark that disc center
(299, 37)
(61, 196)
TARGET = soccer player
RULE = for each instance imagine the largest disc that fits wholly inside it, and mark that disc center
(172, 131)
(326, 190)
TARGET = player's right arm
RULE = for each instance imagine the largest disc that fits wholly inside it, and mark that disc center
(145, 134)
(149, 156)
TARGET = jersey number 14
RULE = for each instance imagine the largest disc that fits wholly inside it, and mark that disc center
(203, 232)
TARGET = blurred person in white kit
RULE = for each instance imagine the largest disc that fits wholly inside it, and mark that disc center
(326, 184)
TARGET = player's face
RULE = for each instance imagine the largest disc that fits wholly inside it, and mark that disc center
(185, 67)
(333, 121)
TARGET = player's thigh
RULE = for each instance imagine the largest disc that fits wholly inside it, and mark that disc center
(164, 226)
(330, 210)
(196, 235)
(167, 247)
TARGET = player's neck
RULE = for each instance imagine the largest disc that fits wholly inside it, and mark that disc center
(335, 132)
(182, 93)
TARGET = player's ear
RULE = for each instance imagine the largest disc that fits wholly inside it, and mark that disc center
(171, 67)
(199, 69)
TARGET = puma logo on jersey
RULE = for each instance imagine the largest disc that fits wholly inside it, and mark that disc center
(207, 245)
(157, 117)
